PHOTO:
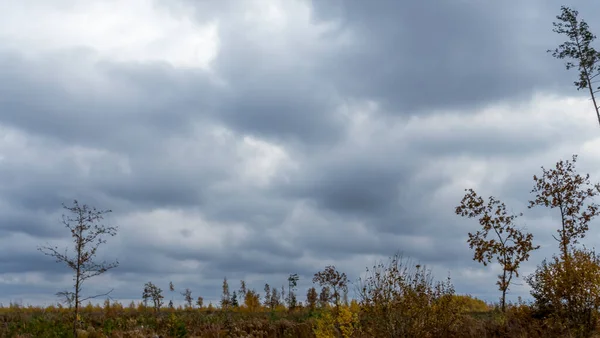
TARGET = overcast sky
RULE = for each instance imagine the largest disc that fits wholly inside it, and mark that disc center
(254, 139)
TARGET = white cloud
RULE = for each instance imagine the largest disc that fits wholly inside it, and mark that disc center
(135, 30)
(164, 228)
(261, 161)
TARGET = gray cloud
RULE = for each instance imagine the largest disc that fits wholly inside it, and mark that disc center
(460, 55)
(335, 134)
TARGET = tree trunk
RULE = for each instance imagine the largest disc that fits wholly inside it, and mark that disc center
(76, 307)
(504, 287)
(78, 277)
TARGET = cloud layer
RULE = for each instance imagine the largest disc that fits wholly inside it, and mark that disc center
(261, 138)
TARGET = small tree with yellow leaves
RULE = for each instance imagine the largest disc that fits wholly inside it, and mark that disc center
(568, 297)
(558, 287)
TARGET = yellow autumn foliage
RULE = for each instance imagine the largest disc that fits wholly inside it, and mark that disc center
(325, 326)
(347, 320)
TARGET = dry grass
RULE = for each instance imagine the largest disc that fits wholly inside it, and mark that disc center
(349, 321)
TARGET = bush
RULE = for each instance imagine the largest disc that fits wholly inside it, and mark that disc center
(401, 299)
(567, 292)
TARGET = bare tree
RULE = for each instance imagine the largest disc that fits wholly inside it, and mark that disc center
(68, 297)
(172, 289)
(87, 233)
(187, 294)
(226, 296)
(292, 284)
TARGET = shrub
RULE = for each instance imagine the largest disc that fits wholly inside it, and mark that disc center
(401, 299)
(567, 292)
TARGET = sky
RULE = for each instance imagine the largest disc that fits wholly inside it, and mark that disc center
(260, 138)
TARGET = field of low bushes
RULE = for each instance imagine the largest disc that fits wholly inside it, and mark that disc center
(455, 316)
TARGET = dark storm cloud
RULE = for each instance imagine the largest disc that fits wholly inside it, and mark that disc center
(278, 246)
(342, 192)
(39, 189)
(415, 56)
(29, 221)
(75, 97)
(154, 189)
(379, 186)
(275, 92)
(19, 291)
(243, 206)
(16, 263)
(152, 264)
(361, 183)
(243, 262)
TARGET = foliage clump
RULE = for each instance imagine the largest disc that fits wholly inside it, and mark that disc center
(401, 299)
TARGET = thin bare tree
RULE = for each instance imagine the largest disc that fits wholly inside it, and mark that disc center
(87, 233)
(578, 50)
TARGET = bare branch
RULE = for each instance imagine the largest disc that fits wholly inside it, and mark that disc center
(96, 296)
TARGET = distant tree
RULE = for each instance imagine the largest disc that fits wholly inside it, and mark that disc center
(154, 293)
(578, 51)
(87, 233)
(332, 278)
(226, 296)
(68, 297)
(324, 296)
(311, 298)
(187, 296)
(172, 289)
(145, 295)
(292, 301)
(275, 299)
(292, 283)
(508, 245)
(268, 300)
(234, 300)
(243, 290)
(200, 302)
(345, 297)
(252, 300)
